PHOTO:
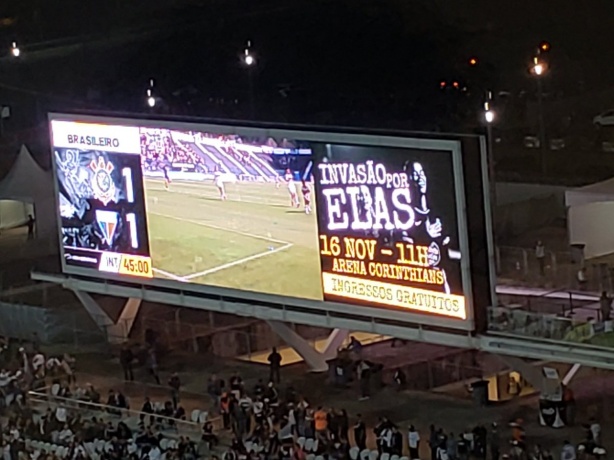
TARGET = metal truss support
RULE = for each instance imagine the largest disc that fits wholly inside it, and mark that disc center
(116, 331)
(334, 342)
(316, 360)
(532, 373)
(571, 373)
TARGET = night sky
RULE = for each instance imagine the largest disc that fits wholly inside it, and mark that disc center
(354, 62)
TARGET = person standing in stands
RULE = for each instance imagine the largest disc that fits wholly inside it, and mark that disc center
(125, 359)
(274, 366)
(605, 305)
(495, 442)
(175, 383)
(360, 433)
(413, 442)
(153, 365)
(540, 255)
(30, 225)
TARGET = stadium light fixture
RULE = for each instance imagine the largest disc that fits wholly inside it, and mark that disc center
(489, 116)
(15, 51)
(249, 58)
(151, 101)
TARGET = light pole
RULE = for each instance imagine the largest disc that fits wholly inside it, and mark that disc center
(539, 69)
(489, 118)
(250, 61)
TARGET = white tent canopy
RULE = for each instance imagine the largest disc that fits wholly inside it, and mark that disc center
(593, 193)
(28, 186)
(14, 213)
(590, 217)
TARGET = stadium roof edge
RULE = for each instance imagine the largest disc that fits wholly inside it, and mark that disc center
(267, 124)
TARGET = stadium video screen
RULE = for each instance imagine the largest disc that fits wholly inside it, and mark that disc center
(364, 225)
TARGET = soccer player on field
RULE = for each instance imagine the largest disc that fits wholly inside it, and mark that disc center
(167, 180)
(306, 191)
(292, 189)
(218, 178)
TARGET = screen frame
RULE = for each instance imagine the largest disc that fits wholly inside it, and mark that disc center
(454, 146)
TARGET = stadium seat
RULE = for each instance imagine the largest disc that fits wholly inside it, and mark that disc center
(319, 457)
(310, 457)
(35, 444)
(195, 415)
(301, 442)
(47, 447)
(374, 455)
(354, 451)
(133, 448)
(248, 446)
(385, 456)
(395, 457)
(202, 418)
(163, 443)
(172, 444)
(100, 445)
(315, 445)
(364, 455)
(308, 445)
(404, 458)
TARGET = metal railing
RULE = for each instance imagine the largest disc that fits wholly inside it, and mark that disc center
(187, 425)
(559, 269)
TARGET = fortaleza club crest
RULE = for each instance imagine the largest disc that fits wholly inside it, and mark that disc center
(102, 182)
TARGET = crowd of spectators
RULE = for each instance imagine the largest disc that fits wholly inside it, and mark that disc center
(260, 422)
(159, 150)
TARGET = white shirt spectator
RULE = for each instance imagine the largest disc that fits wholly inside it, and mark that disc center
(596, 431)
(60, 414)
(38, 361)
(568, 452)
(413, 438)
(155, 453)
(258, 407)
(291, 417)
(52, 363)
(14, 434)
(65, 436)
(245, 403)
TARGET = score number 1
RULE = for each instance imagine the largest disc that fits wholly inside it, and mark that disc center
(131, 217)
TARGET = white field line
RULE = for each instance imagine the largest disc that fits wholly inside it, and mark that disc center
(238, 232)
(237, 262)
(170, 275)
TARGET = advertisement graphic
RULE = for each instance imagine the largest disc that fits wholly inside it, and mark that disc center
(388, 228)
(365, 225)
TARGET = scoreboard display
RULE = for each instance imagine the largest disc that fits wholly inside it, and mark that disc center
(101, 199)
(292, 216)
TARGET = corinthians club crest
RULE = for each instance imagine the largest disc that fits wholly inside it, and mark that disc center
(102, 183)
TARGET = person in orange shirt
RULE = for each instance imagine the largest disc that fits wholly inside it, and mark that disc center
(320, 419)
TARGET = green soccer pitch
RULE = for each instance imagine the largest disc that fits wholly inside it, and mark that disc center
(252, 241)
